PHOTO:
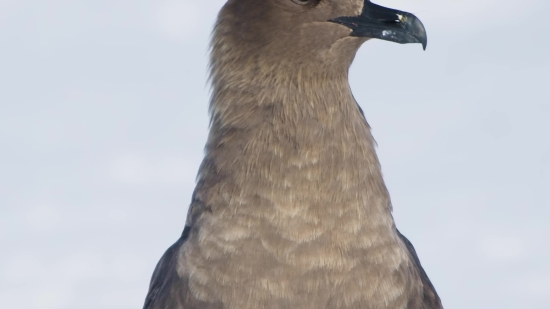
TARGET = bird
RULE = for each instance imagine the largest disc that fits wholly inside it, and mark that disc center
(290, 209)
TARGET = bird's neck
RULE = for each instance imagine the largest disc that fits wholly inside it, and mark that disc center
(297, 146)
(290, 184)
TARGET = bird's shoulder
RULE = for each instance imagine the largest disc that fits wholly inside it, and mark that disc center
(168, 289)
(430, 299)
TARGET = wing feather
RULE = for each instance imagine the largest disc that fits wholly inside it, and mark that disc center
(430, 298)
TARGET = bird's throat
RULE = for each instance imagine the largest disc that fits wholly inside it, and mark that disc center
(300, 150)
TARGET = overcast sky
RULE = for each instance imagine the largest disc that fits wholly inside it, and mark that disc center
(103, 119)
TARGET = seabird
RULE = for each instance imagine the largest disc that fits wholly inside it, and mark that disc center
(290, 209)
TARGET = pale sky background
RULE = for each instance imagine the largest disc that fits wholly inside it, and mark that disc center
(103, 119)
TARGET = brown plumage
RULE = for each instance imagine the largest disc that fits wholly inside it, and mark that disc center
(290, 209)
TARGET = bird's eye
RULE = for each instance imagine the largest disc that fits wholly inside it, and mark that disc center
(301, 2)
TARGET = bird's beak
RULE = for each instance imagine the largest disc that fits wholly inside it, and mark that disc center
(386, 24)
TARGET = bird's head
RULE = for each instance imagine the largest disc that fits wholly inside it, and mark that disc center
(293, 34)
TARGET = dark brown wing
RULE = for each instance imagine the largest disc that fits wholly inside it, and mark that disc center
(165, 279)
(430, 299)
(167, 289)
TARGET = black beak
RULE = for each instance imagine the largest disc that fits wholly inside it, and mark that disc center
(386, 24)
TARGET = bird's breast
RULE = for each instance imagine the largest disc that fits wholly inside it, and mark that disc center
(296, 263)
(307, 242)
